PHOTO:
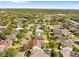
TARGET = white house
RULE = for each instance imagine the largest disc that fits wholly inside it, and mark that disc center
(38, 32)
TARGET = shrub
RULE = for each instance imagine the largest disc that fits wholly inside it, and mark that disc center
(11, 52)
(2, 36)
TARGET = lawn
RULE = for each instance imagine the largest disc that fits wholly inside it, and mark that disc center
(77, 38)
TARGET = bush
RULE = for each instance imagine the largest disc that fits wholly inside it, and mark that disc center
(76, 49)
(2, 36)
(54, 53)
(27, 53)
(2, 54)
(47, 45)
(16, 42)
(20, 35)
(55, 45)
(78, 37)
(11, 52)
(9, 29)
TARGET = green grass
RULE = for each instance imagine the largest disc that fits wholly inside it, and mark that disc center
(77, 38)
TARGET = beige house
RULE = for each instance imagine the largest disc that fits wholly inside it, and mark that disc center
(5, 44)
(37, 52)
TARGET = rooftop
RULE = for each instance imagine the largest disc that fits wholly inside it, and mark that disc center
(38, 53)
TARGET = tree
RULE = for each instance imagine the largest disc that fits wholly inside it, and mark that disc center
(27, 53)
(51, 44)
(2, 36)
(2, 54)
(8, 30)
(54, 53)
(11, 52)
(20, 35)
(55, 45)
(76, 49)
(14, 43)
(47, 45)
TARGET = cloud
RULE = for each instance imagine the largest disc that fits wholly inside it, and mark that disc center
(17, 1)
(20, 1)
(14, 0)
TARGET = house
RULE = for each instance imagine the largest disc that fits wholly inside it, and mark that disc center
(70, 27)
(60, 14)
(57, 32)
(12, 35)
(2, 28)
(64, 41)
(38, 52)
(77, 32)
(74, 54)
(59, 26)
(5, 44)
(19, 24)
(66, 51)
(25, 45)
(69, 34)
(72, 22)
(38, 30)
(36, 47)
(66, 32)
(19, 28)
(28, 34)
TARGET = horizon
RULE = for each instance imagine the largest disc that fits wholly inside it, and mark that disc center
(40, 8)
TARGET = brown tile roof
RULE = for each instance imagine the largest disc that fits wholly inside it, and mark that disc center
(62, 39)
(38, 53)
(34, 42)
(5, 42)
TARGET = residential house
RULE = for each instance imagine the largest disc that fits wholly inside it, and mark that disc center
(19, 28)
(66, 51)
(2, 28)
(64, 41)
(72, 22)
(38, 30)
(66, 32)
(57, 32)
(5, 44)
(12, 35)
(38, 52)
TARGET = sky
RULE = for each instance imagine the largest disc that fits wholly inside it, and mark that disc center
(40, 4)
